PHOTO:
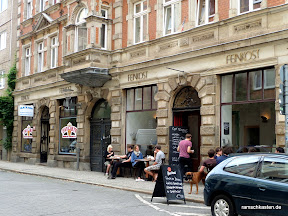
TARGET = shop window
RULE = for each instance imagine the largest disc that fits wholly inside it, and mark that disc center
(140, 21)
(248, 5)
(68, 126)
(2, 80)
(205, 11)
(172, 16)
(141, 119)
(3, 5)
(248, 114)
(40, 57)
(54, 52)
(27, 61)
(81, 30)
(3, 37)
(26, 134)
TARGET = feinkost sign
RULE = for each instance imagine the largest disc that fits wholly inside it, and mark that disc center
(26, 110)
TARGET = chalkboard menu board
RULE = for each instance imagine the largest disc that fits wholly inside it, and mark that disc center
(169, 184)
(176, 134)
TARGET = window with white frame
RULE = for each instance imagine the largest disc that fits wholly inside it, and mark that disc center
(3, 5)
(81, 30)
(2, 80)
(54, 52)
(140, 21)
(103, 30)
(248, 5)
(3, 36)
(41, 5)
(29, 9)
(205, 11)
(27, 61)
(172, 16)
(40, 57)
(104, 13)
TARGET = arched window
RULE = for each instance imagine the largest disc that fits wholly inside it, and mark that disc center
(81, 30)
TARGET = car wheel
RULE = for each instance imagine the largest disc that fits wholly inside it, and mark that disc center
(222, 206)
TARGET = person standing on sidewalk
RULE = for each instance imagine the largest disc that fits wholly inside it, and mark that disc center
(184, 149)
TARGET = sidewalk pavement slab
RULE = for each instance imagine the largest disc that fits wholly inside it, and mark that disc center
(96, 178)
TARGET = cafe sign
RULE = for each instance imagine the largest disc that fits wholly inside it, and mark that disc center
(242, 56)
(69, 131)
(26, 110)
(27, 132)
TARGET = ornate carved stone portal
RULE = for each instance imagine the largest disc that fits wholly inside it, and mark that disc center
(187, 98)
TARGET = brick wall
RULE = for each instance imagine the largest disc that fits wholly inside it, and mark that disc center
(271, 3)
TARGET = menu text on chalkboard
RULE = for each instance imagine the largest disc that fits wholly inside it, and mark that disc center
(176, 134)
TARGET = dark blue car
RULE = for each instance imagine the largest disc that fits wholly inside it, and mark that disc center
(249, 184)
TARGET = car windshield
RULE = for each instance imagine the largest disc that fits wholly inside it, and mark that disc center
(243, 165)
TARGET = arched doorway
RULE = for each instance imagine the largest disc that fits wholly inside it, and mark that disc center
(186, 113)
(44, 135)
(100, 126)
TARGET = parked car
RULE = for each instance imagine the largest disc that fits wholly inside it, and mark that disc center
(249, 184)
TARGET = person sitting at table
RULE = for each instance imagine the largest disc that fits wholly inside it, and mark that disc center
(109, 153)
(158, 155)
(125, 163)
(137, 164)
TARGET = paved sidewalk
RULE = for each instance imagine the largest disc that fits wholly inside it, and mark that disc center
(95, 178)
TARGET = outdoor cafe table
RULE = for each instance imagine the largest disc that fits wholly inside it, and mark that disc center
(145, 160)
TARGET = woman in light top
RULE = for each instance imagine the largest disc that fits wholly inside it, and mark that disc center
(137, 164)
(109, 153)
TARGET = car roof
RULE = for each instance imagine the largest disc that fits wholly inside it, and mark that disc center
(265, 154)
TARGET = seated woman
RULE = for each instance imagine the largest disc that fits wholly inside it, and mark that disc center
(109, 153)
(137, 164)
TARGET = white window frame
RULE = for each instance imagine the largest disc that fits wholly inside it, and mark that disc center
(76, 29)
(54, 46)
(251, 5)
(265, 83)
(255, 81)
(140, 14)
(29, 9)
(41, 5)
(207, 16)
(40, 60)
(171, 4)
(2, 80)
(3, 40)
(105, 13)
(3, 5)
(105, 36)
(27, 64)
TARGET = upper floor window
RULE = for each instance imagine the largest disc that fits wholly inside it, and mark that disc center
(3, 5)
(104, 13)
(81, 30)
(55, 2)
(171, 16)
(248, 5)
(54, 52)
(41, 5)
(140, 21)
(3, 40)
(29, 9)
(2, 80)
(205, 11)
(40, 57)
(27, 61)
(103, 30)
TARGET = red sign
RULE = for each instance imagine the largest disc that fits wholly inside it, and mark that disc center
(69, 131)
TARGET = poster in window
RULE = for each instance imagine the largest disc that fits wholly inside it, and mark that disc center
(69, 131)
(226, 128)
(27, 132)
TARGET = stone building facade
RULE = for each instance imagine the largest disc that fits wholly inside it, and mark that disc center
(8, 14)
(125, 72)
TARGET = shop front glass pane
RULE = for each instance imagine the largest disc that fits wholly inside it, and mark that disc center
(141, 129)
(255, 80)
(130, 99)
(26, 134)
(248, 125)
(147, 98)
(67, 139)
(138, 99)
(154, 91)
(226, 88)
(241, 86)
(269, 83)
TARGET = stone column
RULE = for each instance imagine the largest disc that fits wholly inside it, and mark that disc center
(52, 147)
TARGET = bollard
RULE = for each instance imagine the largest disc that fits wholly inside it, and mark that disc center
(78, 157)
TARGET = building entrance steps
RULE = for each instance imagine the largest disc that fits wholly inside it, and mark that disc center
(95, 178)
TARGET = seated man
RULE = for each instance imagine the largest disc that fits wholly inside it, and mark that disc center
(226, 151)
(158, 155)
(125, 163)
(210, 163)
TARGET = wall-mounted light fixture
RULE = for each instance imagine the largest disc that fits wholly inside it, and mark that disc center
(264, 119)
